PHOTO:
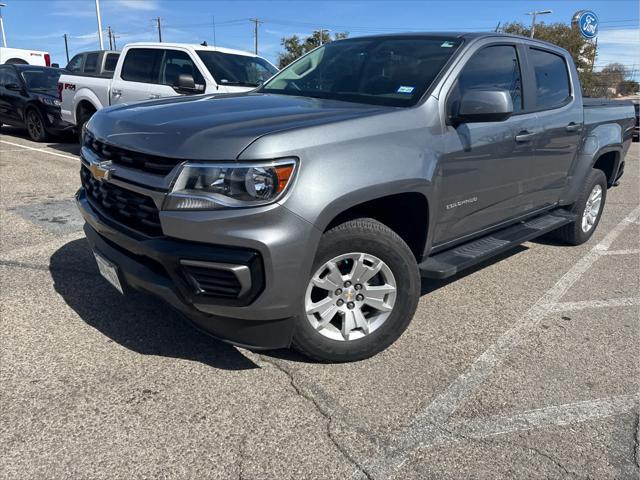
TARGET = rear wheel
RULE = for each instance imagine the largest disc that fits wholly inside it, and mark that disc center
(362, 295)
(35, 125)
(588, 210)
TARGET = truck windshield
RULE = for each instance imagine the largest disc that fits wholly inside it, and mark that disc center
(41, 79)
(392, 71)
(240, 70)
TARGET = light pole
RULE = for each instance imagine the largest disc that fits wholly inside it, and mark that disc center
(322, 30)
(4, 38)
(534, 14)
(99, 24)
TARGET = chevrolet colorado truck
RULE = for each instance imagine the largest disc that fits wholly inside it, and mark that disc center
(306, 213)
(143, 71)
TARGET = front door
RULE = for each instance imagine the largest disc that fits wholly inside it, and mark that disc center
(483, 173)
(11, 101)
(173, 64)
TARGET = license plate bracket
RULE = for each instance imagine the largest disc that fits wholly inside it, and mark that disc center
(109, 271)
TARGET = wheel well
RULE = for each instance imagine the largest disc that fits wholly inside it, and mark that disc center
(16, 61)
(84, 110)
(407, 214)
(607, 163)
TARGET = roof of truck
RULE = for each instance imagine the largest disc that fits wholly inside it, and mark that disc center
(195, 46)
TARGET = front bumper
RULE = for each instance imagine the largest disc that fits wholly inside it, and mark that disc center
(53, 121)
(263, 318)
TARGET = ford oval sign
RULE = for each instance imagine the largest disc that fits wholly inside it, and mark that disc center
(587, 22)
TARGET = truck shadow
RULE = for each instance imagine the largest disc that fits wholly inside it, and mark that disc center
(138, 322)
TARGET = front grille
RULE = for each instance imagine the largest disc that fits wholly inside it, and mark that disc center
(213, 281)
(124, 206)
(127, 158)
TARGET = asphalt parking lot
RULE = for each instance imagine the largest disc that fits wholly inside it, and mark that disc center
(526, 368)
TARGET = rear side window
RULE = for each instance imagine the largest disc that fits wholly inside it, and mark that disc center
(142, 65)
(111, 61)
(8, 76)
(552, 78)
(75, 65)
(492, 68)
(178, 63)
(91, 63)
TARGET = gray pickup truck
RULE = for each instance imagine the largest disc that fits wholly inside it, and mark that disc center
(308, 211)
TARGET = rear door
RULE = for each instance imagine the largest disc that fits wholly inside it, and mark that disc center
(173, 64)
(133, 79)
(484, 170)
(561, 117)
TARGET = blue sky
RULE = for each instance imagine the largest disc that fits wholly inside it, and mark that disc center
(40, 24)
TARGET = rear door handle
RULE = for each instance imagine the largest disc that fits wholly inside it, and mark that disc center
(524, 136)
(573, 127)
(154, 96)
(116, 93)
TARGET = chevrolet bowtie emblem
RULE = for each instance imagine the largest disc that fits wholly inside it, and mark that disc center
(102, 171)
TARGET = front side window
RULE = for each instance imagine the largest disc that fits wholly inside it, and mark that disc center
(178, 63)
(75, 65)
(237, 70)
(8, 77)
(382, 71)
(142, 65)
(552, 78)
(492, 68)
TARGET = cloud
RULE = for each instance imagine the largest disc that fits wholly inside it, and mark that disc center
(621, 46)
(141, 5)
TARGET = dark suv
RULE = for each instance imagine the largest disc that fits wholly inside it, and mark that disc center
(29, 98)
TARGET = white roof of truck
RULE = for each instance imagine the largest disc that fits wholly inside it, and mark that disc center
(194, 46)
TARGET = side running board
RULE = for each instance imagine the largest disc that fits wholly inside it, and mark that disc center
(448, 263)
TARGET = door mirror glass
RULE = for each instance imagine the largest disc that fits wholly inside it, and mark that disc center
(484, 106)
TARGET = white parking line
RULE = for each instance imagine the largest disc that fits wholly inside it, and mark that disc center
(43, 150)
(549, 416)
(620, 252)
(429, 425)
(613, 302)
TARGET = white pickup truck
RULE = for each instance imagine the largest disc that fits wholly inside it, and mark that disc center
(152, 70)
(21, 56)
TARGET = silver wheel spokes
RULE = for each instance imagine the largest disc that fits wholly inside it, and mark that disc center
(592, 209)
(350, 296)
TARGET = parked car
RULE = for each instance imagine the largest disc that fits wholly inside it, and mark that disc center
(19, 56)
(154, 70)
(636, 130)
(305, 213)
(29, 98)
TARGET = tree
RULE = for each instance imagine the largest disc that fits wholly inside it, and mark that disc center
(295, 47)
(614, 79)
(582, 50)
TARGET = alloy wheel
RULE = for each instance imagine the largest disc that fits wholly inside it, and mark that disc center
(34, 125)
(592, 208)
(350, 296)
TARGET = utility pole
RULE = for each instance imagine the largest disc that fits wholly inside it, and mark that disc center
(4, 38)
(110, 33)
(255, 31)
(115, 47)
(99, 25)
(497, 27)
(322, 30)
(213, 19)
(159, 30)
(534, 14)
(66, 47)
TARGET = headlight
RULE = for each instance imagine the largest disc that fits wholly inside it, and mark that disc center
(206, 186)
(52, 102)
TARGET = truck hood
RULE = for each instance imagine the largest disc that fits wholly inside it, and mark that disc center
(215, 127)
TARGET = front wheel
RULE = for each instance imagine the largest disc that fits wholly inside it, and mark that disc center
(35, 126)
(362, 294)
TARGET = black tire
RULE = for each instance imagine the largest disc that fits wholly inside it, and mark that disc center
(573, 233)
(373, 238)
(35, 125)
(83, 116)
(80, 126)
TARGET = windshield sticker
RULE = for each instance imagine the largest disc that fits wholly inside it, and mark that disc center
(404, 89)
(447, 44)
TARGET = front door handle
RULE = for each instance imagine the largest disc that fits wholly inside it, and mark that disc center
(116, 93)
(524, 136)
(573, 127)
(154, 96)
